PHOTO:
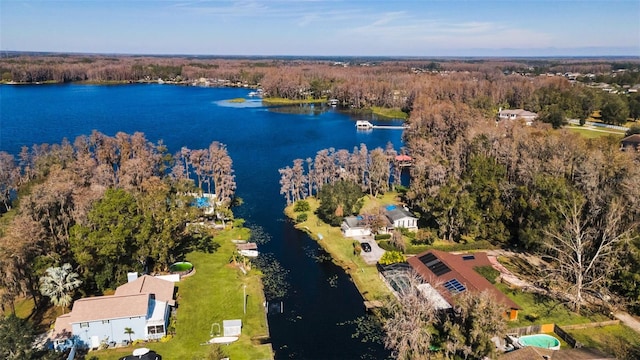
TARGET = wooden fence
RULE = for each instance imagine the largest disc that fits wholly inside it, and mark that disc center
(560, 331)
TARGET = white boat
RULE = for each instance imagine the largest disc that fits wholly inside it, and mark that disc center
(140, 352)
(249, 253)
(364, 124)
(223, 340)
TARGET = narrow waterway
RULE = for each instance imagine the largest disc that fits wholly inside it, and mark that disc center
(315, 319)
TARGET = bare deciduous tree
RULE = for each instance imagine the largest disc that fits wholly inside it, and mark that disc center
(408, 328)
(585, 247)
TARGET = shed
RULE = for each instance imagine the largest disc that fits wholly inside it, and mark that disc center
(232, 327)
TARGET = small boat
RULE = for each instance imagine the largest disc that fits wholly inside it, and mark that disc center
(364, 124)
(223, 340)
(249, 253)
(333, 102)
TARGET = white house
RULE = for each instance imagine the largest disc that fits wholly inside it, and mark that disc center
(143, 305)
(354, 226)
(401, 218)
(516, 114)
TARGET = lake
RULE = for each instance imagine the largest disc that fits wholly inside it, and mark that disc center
(321, 301)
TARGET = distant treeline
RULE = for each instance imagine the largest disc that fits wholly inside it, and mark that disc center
(486, 85)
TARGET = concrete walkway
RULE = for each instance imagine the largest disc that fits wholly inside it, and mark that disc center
(628, 320)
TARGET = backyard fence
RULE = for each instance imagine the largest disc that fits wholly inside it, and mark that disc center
(560, 331)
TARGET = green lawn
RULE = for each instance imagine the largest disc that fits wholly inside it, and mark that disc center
(365, 277)
(609, 339)
(539, 309)
(283, 101)
(214, 293)
(391, 113)
(594, 133)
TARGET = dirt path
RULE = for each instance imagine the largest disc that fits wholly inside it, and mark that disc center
(505, 274)
(625, 318)
(628, 320)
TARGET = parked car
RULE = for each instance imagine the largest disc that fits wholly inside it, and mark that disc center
(366, 247)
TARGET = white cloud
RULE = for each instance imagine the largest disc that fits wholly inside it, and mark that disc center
(399, 28)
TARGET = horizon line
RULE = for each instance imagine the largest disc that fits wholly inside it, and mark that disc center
(317, 56)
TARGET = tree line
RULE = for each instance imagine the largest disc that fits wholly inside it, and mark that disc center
(551, 192)
(107, 205)
(372, 171)
(485, 85)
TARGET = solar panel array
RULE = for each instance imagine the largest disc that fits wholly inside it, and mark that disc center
(434, 264)
(468, 257)
(454, 286)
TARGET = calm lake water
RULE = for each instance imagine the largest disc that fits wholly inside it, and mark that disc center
(321, 300)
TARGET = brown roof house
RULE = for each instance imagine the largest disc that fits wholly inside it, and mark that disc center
(517, 114)
(631, 142)
(456, 274)
(143, 305)
(536, 353)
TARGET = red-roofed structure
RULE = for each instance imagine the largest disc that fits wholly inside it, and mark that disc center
(456, 274)
(404, 160)
(403, 157)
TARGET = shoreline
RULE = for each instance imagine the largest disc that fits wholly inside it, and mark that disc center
(365, 277)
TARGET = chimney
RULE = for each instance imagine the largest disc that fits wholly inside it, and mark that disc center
(132, 276)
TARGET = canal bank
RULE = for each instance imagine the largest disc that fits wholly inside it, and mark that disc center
(342, 250)
(320, 304)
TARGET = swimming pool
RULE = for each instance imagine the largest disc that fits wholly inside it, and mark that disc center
(541, 341)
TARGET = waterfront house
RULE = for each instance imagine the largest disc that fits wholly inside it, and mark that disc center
(162, 289)
(354, 226)
(143, 305)
(517, 114)
(399, 217)
(452, 274)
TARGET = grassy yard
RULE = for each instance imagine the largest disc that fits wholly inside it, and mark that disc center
(391, 113)
(593, 133)
(609, 339)
(283, 101)
(539, 309)
(214, 293)
(365, 276)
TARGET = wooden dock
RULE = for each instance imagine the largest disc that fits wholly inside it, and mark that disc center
(373, 304)
(390, 127)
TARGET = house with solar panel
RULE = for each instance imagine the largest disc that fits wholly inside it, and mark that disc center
(451, 274)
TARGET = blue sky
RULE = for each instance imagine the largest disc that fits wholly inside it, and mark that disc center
(324, 27)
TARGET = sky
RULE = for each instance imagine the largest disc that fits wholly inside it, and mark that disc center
(395, 28)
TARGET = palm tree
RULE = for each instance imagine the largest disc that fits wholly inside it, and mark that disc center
(59, 284)
(128, 331)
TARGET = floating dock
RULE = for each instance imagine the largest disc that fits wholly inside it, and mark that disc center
(366, 125)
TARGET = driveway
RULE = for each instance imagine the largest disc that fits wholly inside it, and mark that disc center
(376, 252)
